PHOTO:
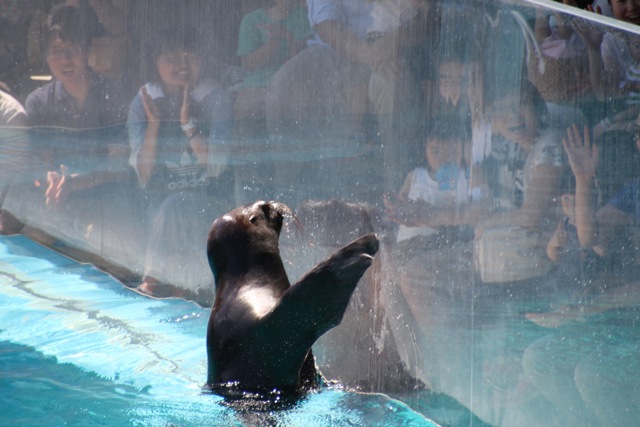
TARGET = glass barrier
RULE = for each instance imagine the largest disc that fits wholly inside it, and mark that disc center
(492, 146)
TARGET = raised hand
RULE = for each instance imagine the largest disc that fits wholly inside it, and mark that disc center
(583, 156)
(590, 34)
(54, 180)
(59, 186)
(150, 108)
(597, 10)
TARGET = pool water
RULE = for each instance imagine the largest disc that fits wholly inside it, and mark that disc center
(79, 349)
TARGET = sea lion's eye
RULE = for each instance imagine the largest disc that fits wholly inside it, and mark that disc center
(253, 219)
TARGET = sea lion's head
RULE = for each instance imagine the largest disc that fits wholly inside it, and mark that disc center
(245, 236)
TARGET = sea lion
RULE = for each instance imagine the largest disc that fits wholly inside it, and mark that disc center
(261, 328)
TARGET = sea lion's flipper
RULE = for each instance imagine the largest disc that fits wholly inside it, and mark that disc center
(317, 302)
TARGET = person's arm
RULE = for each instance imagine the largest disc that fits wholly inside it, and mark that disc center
(583, 159)
(143, 126)
(264, 55)
(608, 66)
(407, 35)
(604, 68)
(557, 243)
(423, 214)
(585, 220)
(14, 142)
(190, 129)
(145, 162)
(476, 210)
(595, 229)
(253, 54)
(563, 26)
(542, 29)
(61, 183)
(468, 214)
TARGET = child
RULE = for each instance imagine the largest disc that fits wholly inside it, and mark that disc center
(441, 183)
(178, 117)
(629, 91)
(585, 269)
(609, 53)
(177, 123)
(578, 265)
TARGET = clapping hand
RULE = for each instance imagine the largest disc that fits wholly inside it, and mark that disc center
(590, 34)
(150, 108)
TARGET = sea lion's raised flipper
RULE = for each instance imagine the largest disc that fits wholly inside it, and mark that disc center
(317, 302)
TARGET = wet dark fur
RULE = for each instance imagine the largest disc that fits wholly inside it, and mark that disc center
(262, 328)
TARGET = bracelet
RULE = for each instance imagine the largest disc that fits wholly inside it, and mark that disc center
(188, 126)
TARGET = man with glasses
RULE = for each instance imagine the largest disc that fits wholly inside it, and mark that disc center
(78, 117)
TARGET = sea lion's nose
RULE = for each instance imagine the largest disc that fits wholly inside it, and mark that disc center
(272, 212)
(263, 206)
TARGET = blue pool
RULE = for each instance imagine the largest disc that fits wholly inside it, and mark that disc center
(79, 349)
